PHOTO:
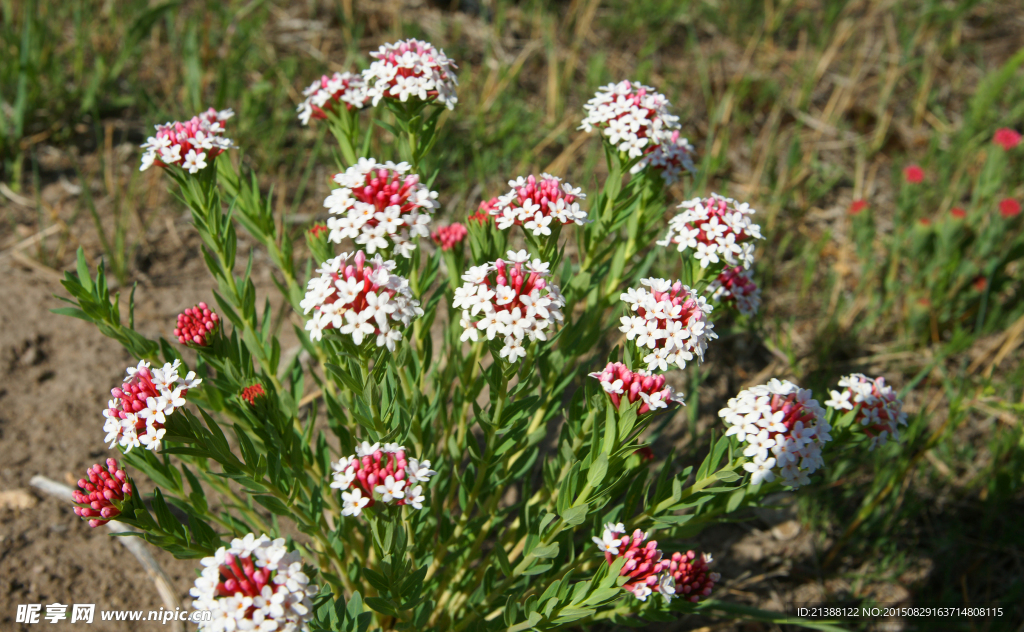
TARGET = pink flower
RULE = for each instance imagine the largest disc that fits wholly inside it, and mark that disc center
(670, 154)
(384, 471)
(101, 495)
(483, 213)
(449, 236)
(317, 229)
(1006, 138)
(380, 207)
(913, 174)
(690, 575)
(632, 117)
(361, 300)
(136, 415)
(1009, 207)
(734, 286)
(250, 393)
(411, 69)
(188, 144)
(535, 205)
(714, 229)
(326, 93)
(958, 212)
(195, 324)
(880, 412)
(636, 386)
(670, 323)
(857, 206)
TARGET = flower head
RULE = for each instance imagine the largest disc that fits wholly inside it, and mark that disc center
(255, 584)
(136, 415)
(881, 411)
(449, 236)
(380, 207)
(196, 324)
(411, 69)
(250, 393)
(913, 174)
(483, 212)
(383, 471)
(509, 299)
(1009, 207)
(784, 429)
(682, 575)
(636, 386)
(534, 205)
(670, 154)
(1006, 138)
(191, 145)
(734, 286)
(361, 300)
(958, 212)
(715, 229)
(857, 206)
(327, 93)
(631, 116)
(670, 321)
(99, 493)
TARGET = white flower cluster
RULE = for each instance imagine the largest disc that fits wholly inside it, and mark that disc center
(632, 116)
(362, 300)
(517, 303)
(716, 229)
(188, 144)
(383, 470)
(380, 207)
(342, 87)
(411, 68)
(136, 415)
(782, 419)
(534, 205)
(670, 320)
(255, 584)
(881, 411)
(671, 155)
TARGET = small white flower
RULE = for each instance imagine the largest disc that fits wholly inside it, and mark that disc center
(353, 502)
(391, 489)
(415, 497)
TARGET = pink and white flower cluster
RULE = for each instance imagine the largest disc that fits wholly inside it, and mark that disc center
(618, 382)
(380, 207)
(195, 324)
(381, 470)
(671, 155)
(736, 286)
(104, 487)
(255, 584)
(359, 300)
(411, 68)
(534, 205)
(512, 299)
(188, 144)
(784, 428)
(684, 575)
(670, 320)
(716, 229)
(449, 236)
(327, 93)
(136, 415)
(881, 411)
(632, 116)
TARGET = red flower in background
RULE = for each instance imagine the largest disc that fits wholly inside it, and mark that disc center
(980, 283)
(857, 206)
(913, 174)
(1006, 138)
(1009, 208)
(958, 212)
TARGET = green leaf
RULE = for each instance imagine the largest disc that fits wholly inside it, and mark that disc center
(598, 470)
(727, 476)
(575, 516)
(274, 504)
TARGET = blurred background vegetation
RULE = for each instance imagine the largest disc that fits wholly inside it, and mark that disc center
(808, 109)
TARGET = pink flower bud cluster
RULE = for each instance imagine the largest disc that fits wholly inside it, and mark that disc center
(781, 418)
(361, 300)
(380, 207)
(512, 299)
(188, 144)
(734, 286)
(449, 236)
(250, 393)
(651, 390)
(384, 471)
(683, 575)
(136, 415)
(326, 93)
(881, 411)
(716, 229)
(255, 584)
(670, 154)
(411, 68)
(483, 213)
(534, 205)
(104, 487)
(670, 320)
(630, 115)
(1006, 138)
(195, 324)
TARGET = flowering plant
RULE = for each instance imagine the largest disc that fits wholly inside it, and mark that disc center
(434, 449)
